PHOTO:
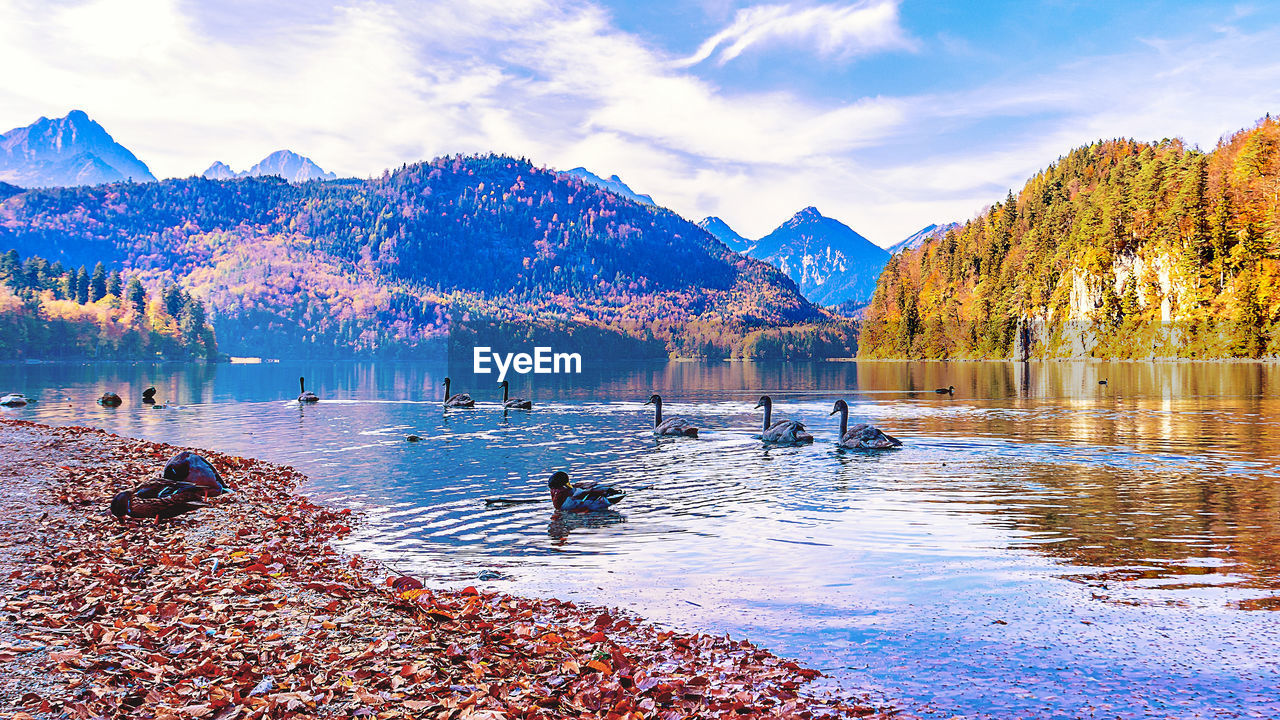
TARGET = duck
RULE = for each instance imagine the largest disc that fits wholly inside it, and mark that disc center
(586, 497)
(189, 468)
(1102, 381)
(462, 400)
(110, 399)
(783, 432)
(514, 403)
(948, 390)
(159, 500)
(149, 396)
(305, 396)
(861, 436)
(13, 400)
(677, 426)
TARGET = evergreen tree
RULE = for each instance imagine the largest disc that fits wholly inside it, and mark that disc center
(82, 286)
(114, 283)
(98, 283)
(136, 296)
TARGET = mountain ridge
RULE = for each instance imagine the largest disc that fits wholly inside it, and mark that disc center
(282, 163)
(828, 260)
(69, 151)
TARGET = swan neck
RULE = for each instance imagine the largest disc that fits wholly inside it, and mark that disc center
(844, 421)
(302, 385)
(657, 413)
(504, 393)
(446, 388)
(768, 414)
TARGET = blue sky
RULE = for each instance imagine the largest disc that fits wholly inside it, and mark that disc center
(888, 115)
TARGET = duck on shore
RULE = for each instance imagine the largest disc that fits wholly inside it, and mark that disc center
(304, 396)
(676, 426)
(158, 500)
(461, 400)
(110, 399)
(862, 436)
(511, 403)
(190, 468)
(13, 400)
(783, 432)
(585, 497)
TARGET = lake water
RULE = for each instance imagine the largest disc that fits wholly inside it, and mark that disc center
(1042, 546)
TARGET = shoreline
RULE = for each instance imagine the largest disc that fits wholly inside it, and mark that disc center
(245, 609)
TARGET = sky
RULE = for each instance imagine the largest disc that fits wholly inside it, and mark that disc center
(888, 115)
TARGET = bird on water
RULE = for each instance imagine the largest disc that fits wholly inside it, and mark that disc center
(676, 426)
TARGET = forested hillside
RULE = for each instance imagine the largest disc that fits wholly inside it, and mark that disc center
(47, 311)
(1120, 249)
(378, 266)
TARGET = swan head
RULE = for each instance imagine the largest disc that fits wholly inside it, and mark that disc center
(654, 399)
(840, 406)
(559, 480)
(504, 383)
(765, 401)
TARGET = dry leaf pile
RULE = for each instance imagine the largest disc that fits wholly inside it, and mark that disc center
(245, 610)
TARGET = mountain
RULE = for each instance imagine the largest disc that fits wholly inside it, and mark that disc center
(721, 231)
(614, 185)
(828, 260)
(220, 171)
(392, 264)
(927, 233)
(7, 190)
(1120, 249)
(67, 151)
(281, 163)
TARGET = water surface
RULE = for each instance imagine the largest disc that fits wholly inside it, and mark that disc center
(1043, 546)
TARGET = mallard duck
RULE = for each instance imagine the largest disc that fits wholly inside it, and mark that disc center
(13, 400)
(110, 399)
(161, 500)
(671, 426)
(190, 468)
(462, 400)
(783, 432)
(861, 436)
(586, 497)
(948, 390)
(149, 396)
(514, 403)
(303, 395)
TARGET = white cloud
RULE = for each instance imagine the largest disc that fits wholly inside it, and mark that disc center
(841, 31)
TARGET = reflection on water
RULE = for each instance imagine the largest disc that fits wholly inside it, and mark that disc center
(1043, 545)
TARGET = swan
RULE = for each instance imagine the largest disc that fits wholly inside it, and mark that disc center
(783, 432)
(514, 403)
(305, 396)
(948, 390)
(586, 497)
(460, 400)
(861, 436)
(671, 426)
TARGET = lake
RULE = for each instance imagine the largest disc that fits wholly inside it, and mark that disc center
(1042, 545)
